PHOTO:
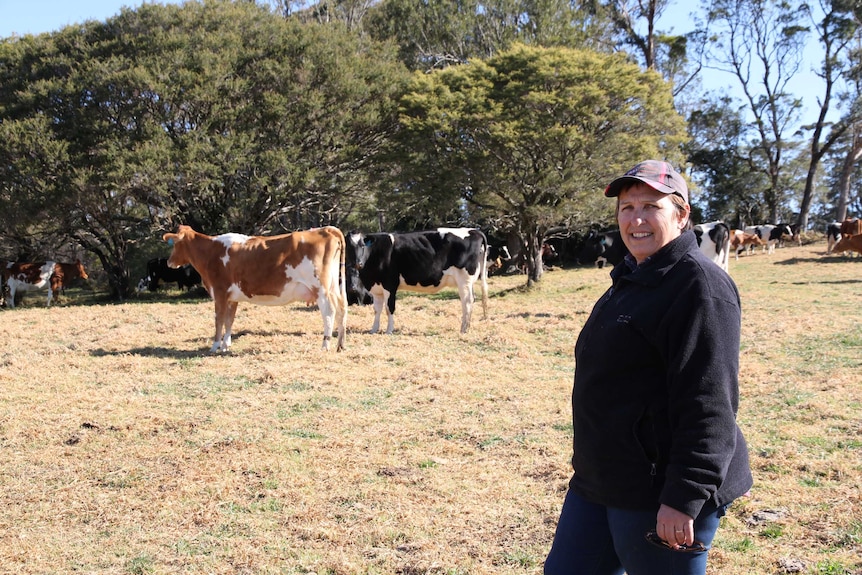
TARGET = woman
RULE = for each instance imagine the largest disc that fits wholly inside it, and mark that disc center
(658, 456)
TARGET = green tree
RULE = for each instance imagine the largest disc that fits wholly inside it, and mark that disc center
(218, 114)
(531, 135)
(433, 35)
(760, 42)
(837, 32)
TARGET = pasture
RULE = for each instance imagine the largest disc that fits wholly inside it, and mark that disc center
(128, 449)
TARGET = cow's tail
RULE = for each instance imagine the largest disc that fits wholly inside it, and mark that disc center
(342, 292)
(723, 246)
(483, 272)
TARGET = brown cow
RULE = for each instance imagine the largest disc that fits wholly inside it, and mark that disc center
(851, 227)
(739, 240)
(25, 276)
(272, 270)
(849, 243)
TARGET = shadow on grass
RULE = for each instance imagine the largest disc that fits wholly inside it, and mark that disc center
(824, 259)
(204, 351)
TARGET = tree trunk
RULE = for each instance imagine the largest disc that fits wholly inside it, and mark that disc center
(850, 160)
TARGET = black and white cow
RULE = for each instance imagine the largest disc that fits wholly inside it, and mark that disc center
(833, 234)
(425, 262)
(601, 247)
(498, 258)
(771, 234)
(158, 271)
(714, 241)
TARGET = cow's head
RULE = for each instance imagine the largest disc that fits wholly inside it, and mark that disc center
(180, 242)
(80, 269)
(358, 249)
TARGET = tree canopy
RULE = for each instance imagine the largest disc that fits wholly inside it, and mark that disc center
(524, 136)
(269, 116)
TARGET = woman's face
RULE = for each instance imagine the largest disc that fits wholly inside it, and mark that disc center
(648, 219)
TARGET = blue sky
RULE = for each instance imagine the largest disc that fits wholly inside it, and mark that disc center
(36, 16)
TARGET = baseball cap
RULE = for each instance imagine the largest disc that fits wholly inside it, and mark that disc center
(656, 174)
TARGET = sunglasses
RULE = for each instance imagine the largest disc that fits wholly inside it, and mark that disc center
(695, 547)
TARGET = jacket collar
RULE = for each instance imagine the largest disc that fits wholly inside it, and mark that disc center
(655, 267)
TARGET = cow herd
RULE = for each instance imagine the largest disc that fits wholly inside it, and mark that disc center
(716, 239)
(325, 267)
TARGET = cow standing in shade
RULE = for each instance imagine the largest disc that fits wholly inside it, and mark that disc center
(158, 271)
(273, 270)
(602, 247)
(424, 262)
(26, 276)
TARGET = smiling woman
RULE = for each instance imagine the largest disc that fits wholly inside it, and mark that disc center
(676, 317)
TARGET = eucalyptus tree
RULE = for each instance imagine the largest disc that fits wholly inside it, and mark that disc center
(760, 42)
(719, 169)
(838, 32)
(532, 134)
(678, 57)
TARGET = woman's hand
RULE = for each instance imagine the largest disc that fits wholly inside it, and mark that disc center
(675, 527)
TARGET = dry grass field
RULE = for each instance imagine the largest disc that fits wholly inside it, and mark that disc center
(126, 448)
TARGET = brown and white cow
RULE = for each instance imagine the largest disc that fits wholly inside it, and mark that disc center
(740, 241)
(26, 276)
(267, 270)
(849, 244)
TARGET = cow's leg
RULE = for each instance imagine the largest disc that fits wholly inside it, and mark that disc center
(379, 300)
(11, 300)
(228, 324)
(50, 296)
(341, 318)
(327, 312)
(465, 292)
(390, 310)
(221, 306)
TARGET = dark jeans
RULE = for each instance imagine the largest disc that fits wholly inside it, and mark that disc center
(593, 539)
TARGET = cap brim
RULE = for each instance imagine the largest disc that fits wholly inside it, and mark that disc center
(615, 187)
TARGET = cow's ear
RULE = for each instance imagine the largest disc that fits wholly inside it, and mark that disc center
(367, 241)
(170, 238)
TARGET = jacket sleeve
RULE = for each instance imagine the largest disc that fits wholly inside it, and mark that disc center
(702, 338)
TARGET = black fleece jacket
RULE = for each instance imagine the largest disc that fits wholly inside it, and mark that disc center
(656, 388)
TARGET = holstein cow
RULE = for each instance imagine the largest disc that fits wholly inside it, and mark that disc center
(601, 247)
(273, 270)
(833, 234)
(159, 271)
(714, 241)
(498, 258)
(770, 234)
(24, 276)
(425, 262)
(740, 241)
(849, 243)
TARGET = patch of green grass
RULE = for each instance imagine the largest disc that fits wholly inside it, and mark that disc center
(743, 545)
(139, 565)
(303, 434)
(520, 558)
(772, 531)
(830, 567)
